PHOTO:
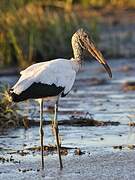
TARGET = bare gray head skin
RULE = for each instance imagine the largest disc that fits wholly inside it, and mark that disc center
(80, 42)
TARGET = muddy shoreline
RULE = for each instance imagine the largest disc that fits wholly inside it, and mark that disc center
(96, 167)
(105, 149)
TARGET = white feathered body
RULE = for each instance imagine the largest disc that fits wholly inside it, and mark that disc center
(60, 72)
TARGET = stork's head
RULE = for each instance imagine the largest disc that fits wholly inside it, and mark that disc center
(81, 41)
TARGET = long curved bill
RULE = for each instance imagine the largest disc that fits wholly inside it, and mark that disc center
(98, 56)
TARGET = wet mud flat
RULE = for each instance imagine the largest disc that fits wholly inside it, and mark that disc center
(104, 150)
(118, 165)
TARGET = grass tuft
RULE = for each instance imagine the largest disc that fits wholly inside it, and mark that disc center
(8, 111)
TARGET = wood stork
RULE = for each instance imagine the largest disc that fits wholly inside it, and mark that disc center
(55, 78)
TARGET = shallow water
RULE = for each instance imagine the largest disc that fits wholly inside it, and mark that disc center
(105, 101)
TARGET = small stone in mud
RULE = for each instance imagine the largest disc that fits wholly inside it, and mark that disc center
(11, 158)
(101, 138)
(118, 147)
(24, 170)
(78, 152)
(78, 172)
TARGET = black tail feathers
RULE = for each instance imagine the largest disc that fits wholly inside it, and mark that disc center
(14, 97)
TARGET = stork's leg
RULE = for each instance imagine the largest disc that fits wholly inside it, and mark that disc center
(41, 133)
(56, 131)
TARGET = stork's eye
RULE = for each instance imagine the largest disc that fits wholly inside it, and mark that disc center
(86, 36)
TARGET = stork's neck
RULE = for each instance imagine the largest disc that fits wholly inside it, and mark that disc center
(77, 51)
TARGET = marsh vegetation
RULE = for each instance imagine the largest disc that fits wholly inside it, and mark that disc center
(32, 31)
